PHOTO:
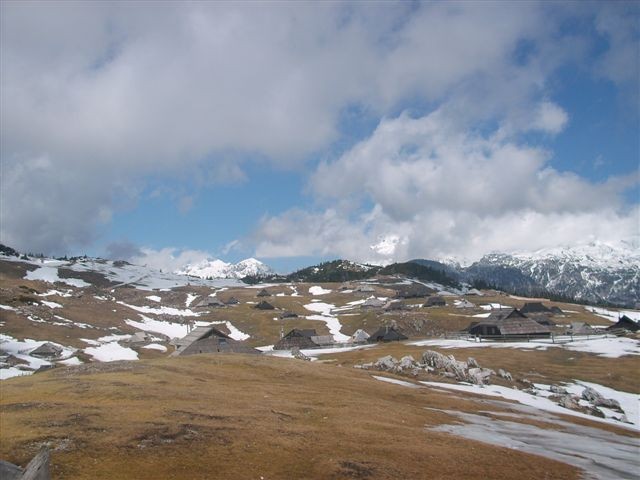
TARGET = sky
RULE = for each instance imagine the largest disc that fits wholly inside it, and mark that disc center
(166, 133)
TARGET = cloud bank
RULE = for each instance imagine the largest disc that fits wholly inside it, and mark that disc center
(437, 191)
(97, 97)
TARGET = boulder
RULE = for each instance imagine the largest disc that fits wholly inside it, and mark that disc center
(407, 362)
(557, 389)
(505, 375)
(568, 401)
(435, 359)
(385, 363)
(609, 403)
(480, 376)
(472, 363)
(594, 397)
(591, 395)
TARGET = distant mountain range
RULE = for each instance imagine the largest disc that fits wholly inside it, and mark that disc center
(249, 267)
(596, 272)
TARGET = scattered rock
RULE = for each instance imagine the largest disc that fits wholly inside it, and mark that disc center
(472, 363)
(557, 389)
(480, 376)
(567, 401)
(504, 374)
(594, 397)
(385, 363)
(407, 362)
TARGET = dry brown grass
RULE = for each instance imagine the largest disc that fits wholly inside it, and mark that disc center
(244, 417)
(548, 366)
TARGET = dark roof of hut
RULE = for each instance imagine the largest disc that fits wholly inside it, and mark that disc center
(47, 349)
(299, 332)
(263, 293)
(413, 290)
(210, 340)
(264, 305)
(209, 302)
(535, 307)
(625, 323)
(504, 313)
(386, 334)
(232, 301)
(435, 300)
(395, 305)
(521, 326)
(288, 315)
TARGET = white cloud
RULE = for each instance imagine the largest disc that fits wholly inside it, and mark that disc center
(438, 191)
(111, 93)
(550, 118)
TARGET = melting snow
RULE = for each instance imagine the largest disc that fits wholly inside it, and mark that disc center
(110, 352)
(51, 304)
(190, 298)
(234, 332)
(601, 454)
(6, 373)
(50, 274)
(324, 309)
(612, 315)
(396, 381)
(539, 402)
(55, 292)
(71, 361)
(154, 298)
(317, 290)
(608, 347)
(156, 346)
(170, 329)
(163, 310)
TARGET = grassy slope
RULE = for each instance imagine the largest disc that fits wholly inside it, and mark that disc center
(243, 417)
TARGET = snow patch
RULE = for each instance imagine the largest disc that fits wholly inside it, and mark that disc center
(111, 352)
(318, 290)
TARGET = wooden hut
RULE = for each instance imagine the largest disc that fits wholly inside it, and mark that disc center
(372, 302)
(413, 290)
(288, 314)
(210, 340)
(263, 293)
(624, 324)
(138, 338)
(297, 338)
(435, 301)
(359, 336)
(387, 334)
(232, 301)
(464, 303)
(395, 306)
(264, 305)
(46, 350)
(508, 323)
(209, 302)
(581, 328)
(364, 288)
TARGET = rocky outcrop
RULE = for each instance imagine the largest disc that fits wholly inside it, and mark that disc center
(594, 397)
(437, 363)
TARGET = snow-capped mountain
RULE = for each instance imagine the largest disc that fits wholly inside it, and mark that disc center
(595, 272)
(219, 269)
